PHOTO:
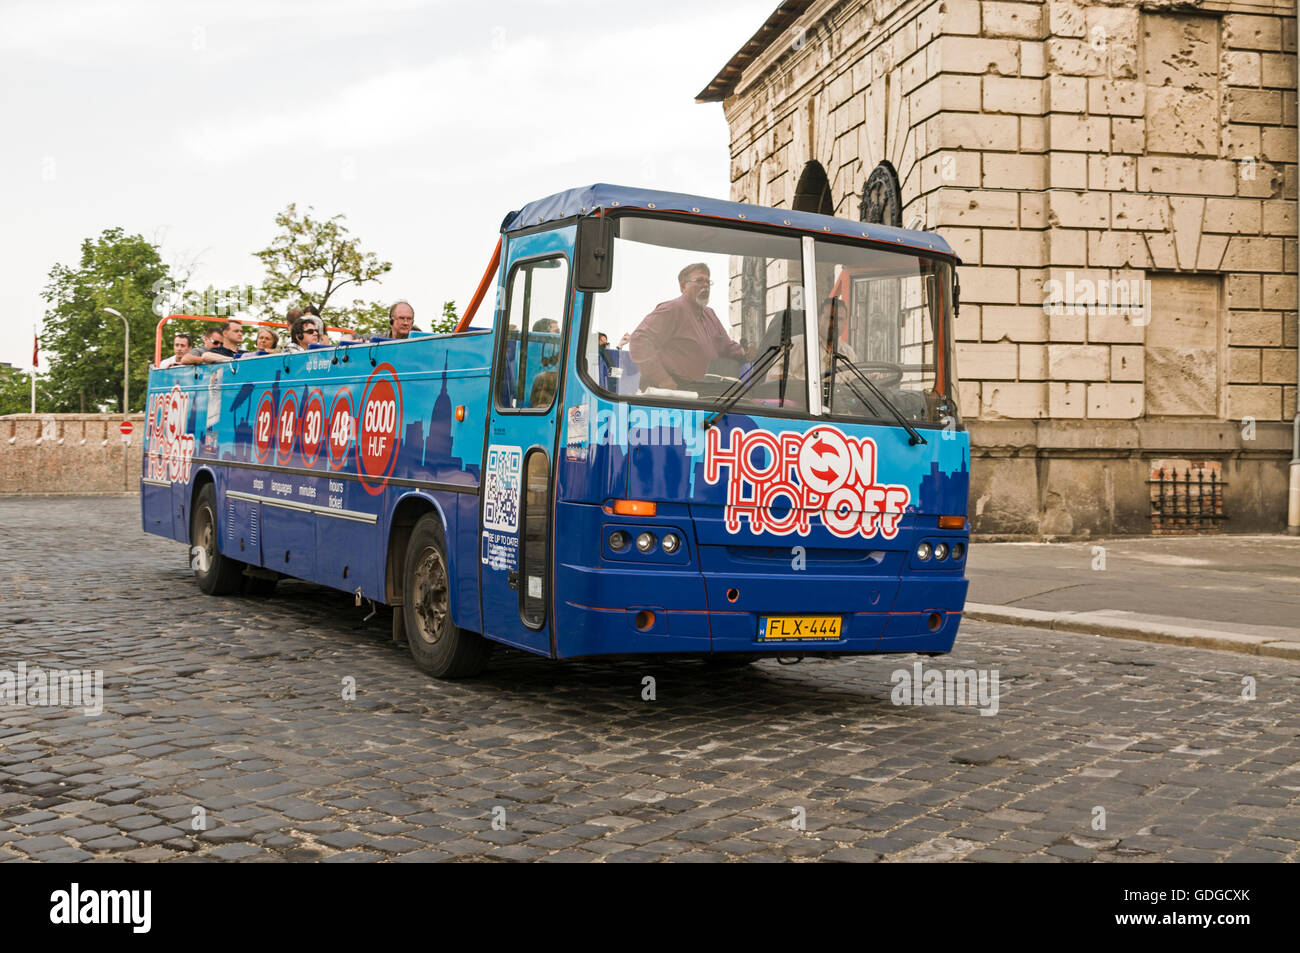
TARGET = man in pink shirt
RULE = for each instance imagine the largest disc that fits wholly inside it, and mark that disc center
(673, 345)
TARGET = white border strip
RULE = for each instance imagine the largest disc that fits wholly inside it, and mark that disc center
(150, 481)
(304, 507)
(811, 331)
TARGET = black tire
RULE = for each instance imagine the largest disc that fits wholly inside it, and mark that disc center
(439, 646)
(217, 575)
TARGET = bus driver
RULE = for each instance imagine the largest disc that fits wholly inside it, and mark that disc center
(675, 342)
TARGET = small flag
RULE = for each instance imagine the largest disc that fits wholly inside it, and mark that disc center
(36, 349)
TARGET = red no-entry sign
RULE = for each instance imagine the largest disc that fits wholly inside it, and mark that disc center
(126, 426)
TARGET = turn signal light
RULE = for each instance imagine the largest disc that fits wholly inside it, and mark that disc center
(952, 522)
(635, 508)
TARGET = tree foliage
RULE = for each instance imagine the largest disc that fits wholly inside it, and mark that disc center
(448, 320)
(311, 260)
(81, 342)
(16, 392)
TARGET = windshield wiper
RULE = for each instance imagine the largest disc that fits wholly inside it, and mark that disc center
(757, 371)
(914, 437)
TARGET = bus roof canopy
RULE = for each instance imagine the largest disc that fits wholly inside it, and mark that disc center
(592, 198)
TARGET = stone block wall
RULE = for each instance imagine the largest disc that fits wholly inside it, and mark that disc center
(1119, 178)
(69, 455)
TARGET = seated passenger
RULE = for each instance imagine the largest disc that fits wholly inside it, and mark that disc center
(401, 320)
(302, 332)
(211, 338)
(543, 391)
(228, 345)
(675, 342)
(181, 345)
(798, 360)
(267, 341)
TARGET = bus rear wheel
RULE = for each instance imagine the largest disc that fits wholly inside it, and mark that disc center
(439, 646)
(217, 575)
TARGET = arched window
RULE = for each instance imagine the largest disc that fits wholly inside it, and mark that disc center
(813, 193)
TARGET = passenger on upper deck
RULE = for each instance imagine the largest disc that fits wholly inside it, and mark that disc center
(401, 320)
(267, 340)
(302, 332)
(675, 342)
(227, 347)
(181, 345)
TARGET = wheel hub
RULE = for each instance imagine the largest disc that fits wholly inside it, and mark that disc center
(430, 596)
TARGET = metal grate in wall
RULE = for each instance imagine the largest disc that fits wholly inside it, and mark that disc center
(1187, 501)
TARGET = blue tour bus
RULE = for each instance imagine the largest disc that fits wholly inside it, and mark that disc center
(578, 478)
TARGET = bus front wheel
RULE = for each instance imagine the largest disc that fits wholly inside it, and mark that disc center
(438, 645)
(217, 575)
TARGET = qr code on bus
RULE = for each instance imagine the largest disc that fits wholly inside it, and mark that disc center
(501, 489)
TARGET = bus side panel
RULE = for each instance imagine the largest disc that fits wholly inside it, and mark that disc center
(156, 509)
(348, 555)
(463, 541)
(180, 504)
(288, 542)
(241, 535)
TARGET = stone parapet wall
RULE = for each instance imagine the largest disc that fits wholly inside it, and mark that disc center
(69, 455)
(1068, 479)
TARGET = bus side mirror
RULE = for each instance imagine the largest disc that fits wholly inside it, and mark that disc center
(593, 254)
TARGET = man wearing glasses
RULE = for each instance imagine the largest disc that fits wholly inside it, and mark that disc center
(673, 345)
(226, 347)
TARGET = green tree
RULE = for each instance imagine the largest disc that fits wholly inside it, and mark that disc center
(310, 260)
(448, 320)
(366, 318)
(83, 343)
(16, 392)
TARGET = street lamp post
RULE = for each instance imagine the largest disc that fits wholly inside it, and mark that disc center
(126, 363)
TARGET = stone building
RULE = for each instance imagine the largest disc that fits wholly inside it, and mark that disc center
(1119, 178)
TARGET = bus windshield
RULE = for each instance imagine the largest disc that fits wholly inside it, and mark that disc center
(694, 308)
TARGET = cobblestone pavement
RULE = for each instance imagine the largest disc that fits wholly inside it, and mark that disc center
(231, 712)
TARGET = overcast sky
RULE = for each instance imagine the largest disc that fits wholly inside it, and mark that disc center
(424, 122)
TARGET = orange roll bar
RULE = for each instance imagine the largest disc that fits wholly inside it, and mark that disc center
(481, 291)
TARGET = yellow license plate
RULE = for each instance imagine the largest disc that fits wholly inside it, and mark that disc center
(800, 628)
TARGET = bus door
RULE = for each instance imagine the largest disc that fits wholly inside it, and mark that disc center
(518, 466)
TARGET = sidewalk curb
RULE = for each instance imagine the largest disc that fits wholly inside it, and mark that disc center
(1094, 623)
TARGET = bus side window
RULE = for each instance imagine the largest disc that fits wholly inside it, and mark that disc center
(538, 295)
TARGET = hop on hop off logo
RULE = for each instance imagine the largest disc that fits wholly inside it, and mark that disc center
(781, 482)
(171, 449)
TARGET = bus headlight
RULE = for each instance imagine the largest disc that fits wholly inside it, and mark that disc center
(923, 552)
(940, 551)
(958, 551)
(645, 542)
(618, 540)
(671, 543)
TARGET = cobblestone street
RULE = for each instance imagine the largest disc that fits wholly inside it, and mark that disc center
(225, 735)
